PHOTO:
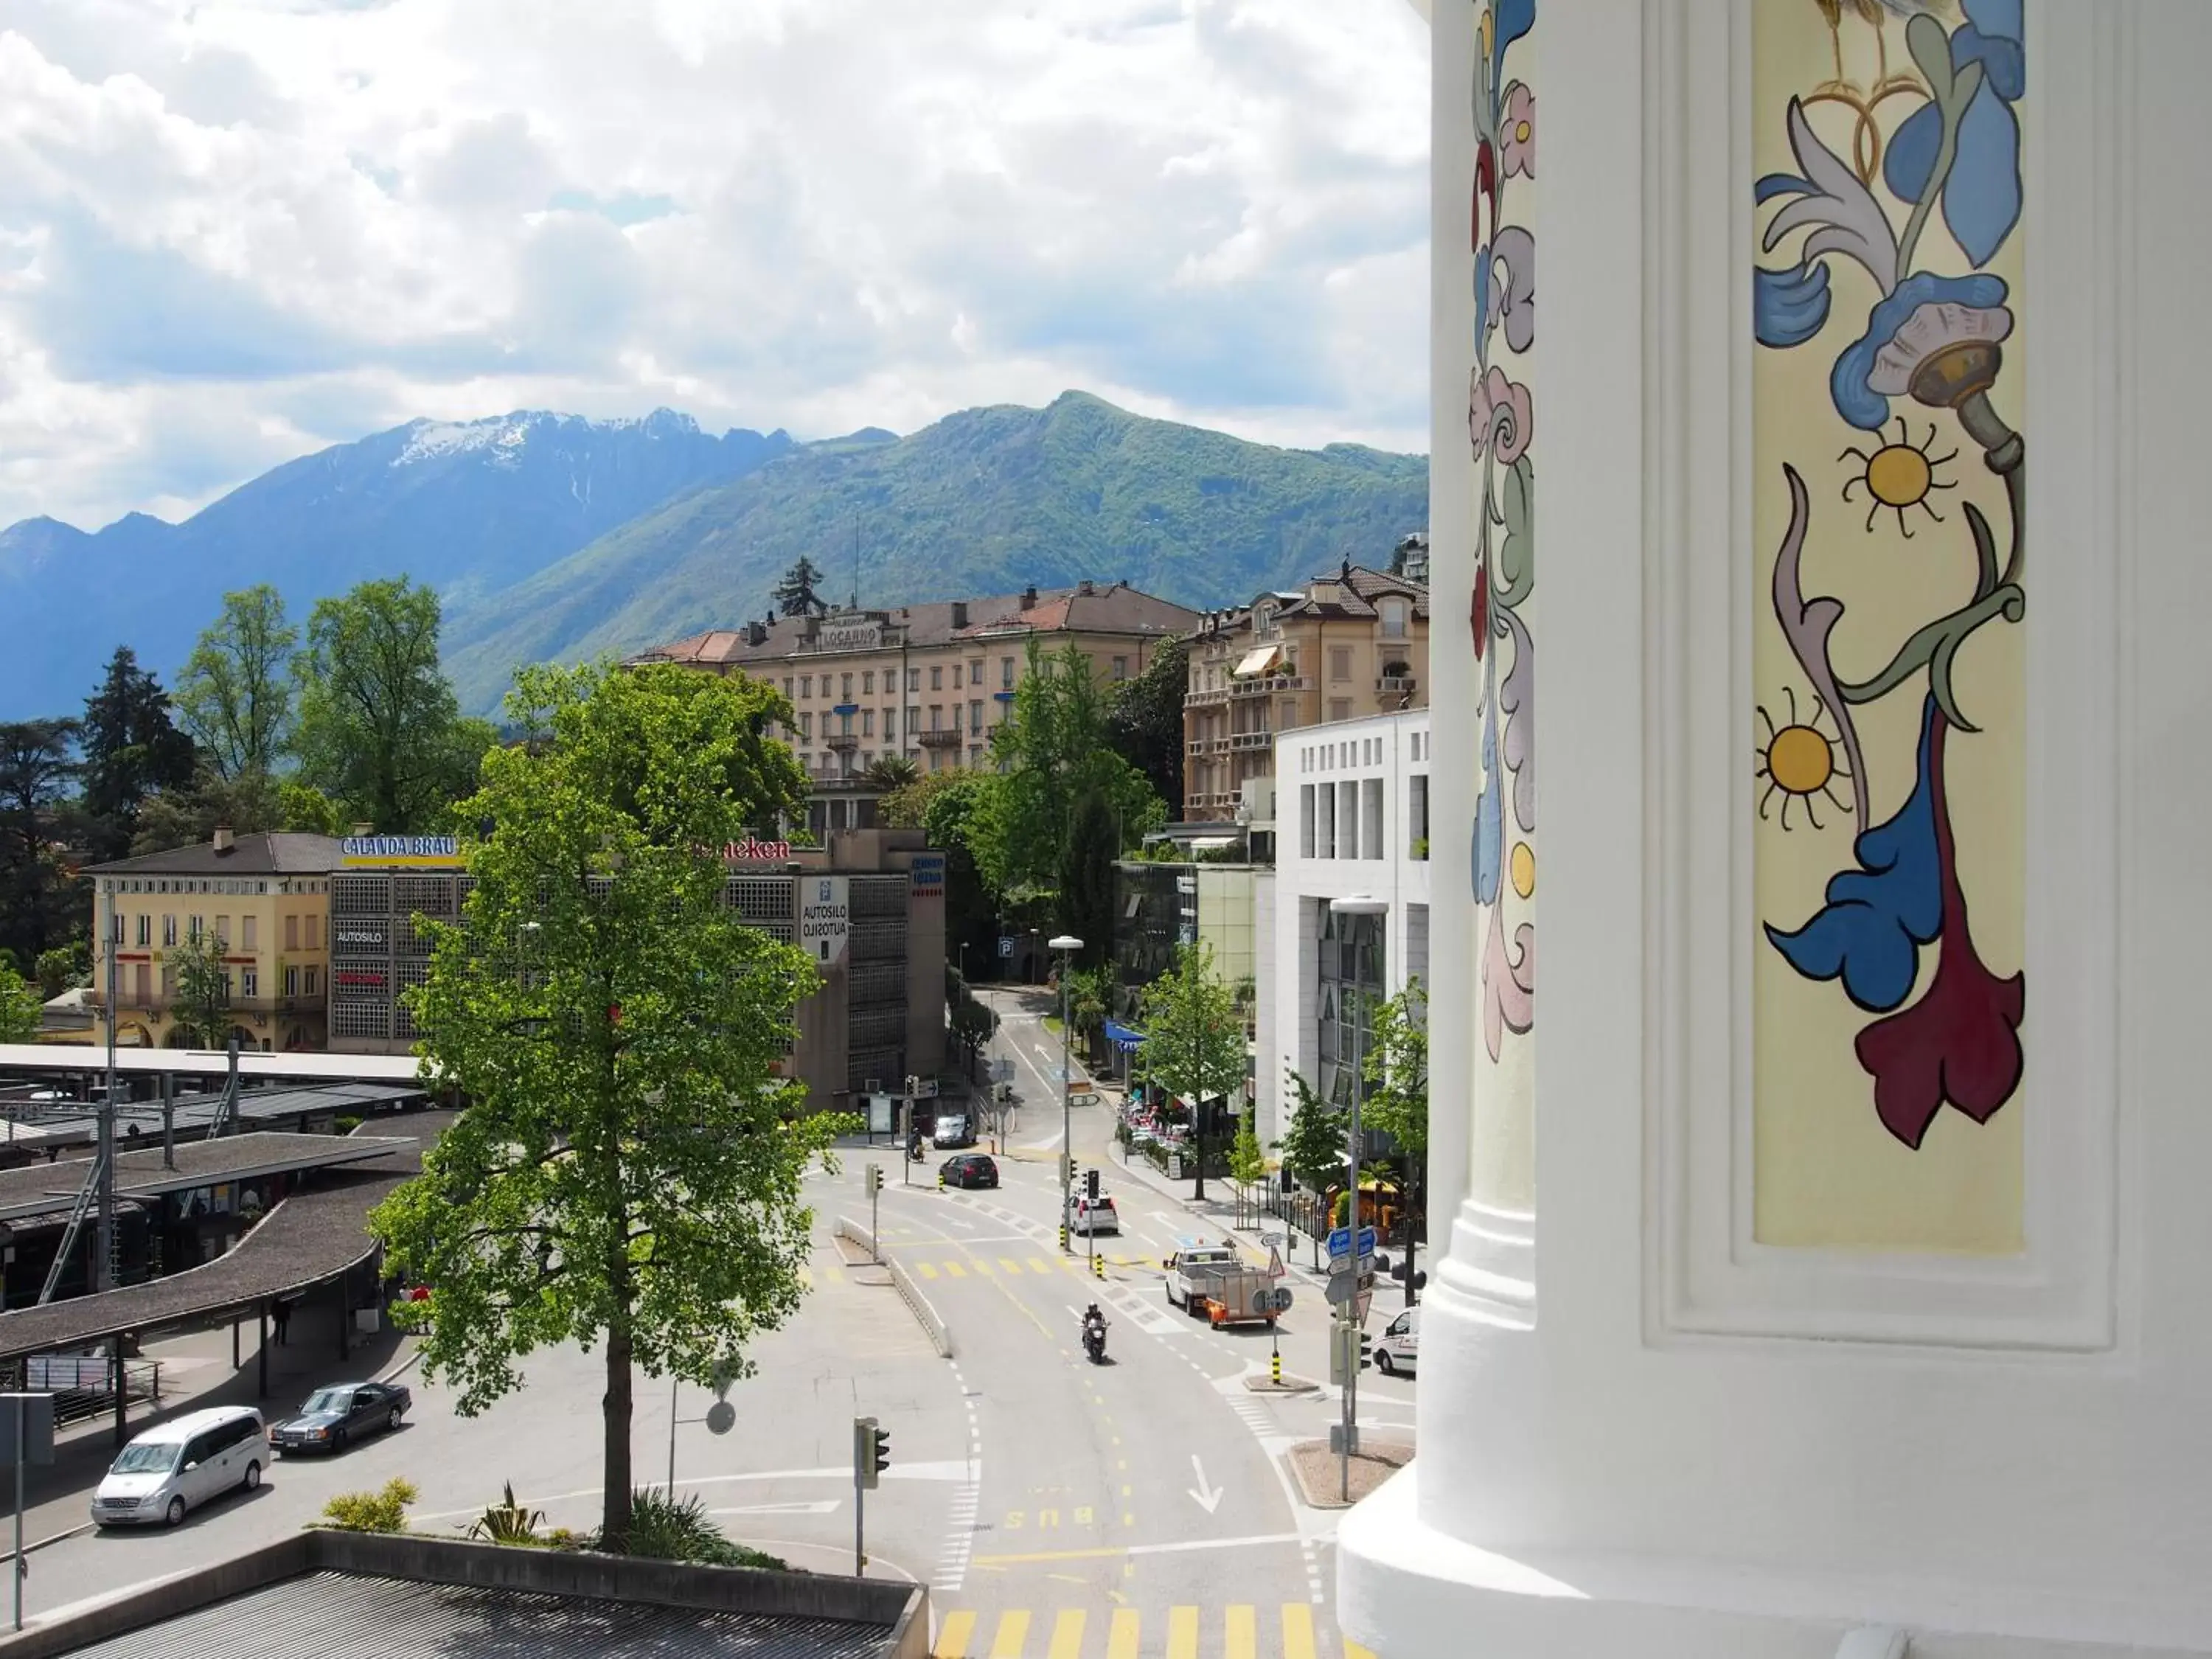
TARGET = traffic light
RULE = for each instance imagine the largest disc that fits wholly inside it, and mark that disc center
(1067, 1170)
(875, 1177)
(871, 1452)
(1365, 1346)
(1090, 1185)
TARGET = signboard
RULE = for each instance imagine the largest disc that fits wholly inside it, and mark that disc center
(1006, 946)
(31, 1416)
(825, 918)
(1275, 1267)
(1280, 1298)
(349, 935)
(1339, 1241)
(751, 851)
(1175, 1166)
(849, 636)
(929, 875)
(358, 977)
(393, 852)
(879, 1114)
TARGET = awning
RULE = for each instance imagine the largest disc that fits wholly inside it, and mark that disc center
(1266, 659)
(1122, 1037)
(1210, 843)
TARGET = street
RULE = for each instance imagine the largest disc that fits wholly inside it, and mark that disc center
(1054, 1508)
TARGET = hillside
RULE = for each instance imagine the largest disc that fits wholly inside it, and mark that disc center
(468, 508)
(986, 501)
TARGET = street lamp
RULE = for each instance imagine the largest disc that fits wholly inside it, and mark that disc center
(1345, 910)
(1066, 945)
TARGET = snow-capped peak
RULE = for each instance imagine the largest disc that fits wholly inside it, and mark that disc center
(504, 436)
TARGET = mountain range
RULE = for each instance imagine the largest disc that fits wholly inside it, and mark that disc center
(554, 538)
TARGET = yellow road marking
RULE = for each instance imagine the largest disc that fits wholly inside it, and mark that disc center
(806, 1277)
(1067, 1636)
(952, 1638)
(1010, 1264)
(1012, 1632)
(982, 1268)
(1121, 1641)
(1241, 1637)
(1353, 1651)
(954, 1270)
(925, 1270)
(1183, 1633)
(1039, 1264)
(1297, 1630)
(1035, 1557)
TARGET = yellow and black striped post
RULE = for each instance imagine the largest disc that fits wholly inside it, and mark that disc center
(1097, 1267)
(1063, 1236)
(941, 1178)
(1275, 1368)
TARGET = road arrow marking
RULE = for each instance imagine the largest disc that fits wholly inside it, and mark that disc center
(1209, 1498)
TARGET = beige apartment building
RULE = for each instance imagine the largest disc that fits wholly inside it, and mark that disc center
(264, 898)
(929, 683)
(1342, 647)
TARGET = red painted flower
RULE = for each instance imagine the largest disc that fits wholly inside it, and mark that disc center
(1479, 616)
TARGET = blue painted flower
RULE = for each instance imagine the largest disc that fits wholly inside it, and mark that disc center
(1877, 917)
(1512, 20)
(1851, 383)
(1982, 195)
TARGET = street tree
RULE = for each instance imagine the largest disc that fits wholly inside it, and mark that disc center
(1313, 1144)
(234, 694)
(131, 749)
(628, 1174)
(38, 764)
(380, 729)
(1194, 1039)
(200, 1001)
(1144, 720)
(1087, 877)
(1051, 750)
(19, 1012)
(905, 805)
(1396, 1068)
(799, 593)
(1247, 1161)
(63, 966)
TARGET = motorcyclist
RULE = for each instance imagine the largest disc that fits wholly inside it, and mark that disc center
(1094, 1329)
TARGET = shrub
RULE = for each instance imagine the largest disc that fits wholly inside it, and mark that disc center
(372, 1511)
(507, 1521)
(663, 1529)
(345, 1125)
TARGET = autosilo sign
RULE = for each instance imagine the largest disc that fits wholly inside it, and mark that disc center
(825, 918)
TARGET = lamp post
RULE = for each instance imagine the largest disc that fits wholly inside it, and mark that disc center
(1346, 910)
(1066, 945)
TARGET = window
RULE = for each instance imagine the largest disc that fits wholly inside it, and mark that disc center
(1417, 816)
(1120, 668)
(312, 976)
(1305, 821)
(807, 728)
(936, 713)
(169, 931)
(1394, 619)
(314, 932)
(786, 685)
(1005, 673)
(936, 676)
(145, 931)
(805, 685)
(1339, 662)
(806, 761)
(1286, 718)
(974, 670)
(956, 676)
(913, 719)
(976, 716)
(292, 933)
(867, 722)
(192, 930)
(168, 979)
(914, 679)
(249, 983)
(890, 722)
(845, 687)
(1351, 985)
(253, 927)
(291, 981)
(1339, 708)
(222, 931)
(115, 928)
(868, 682)
(976, 755)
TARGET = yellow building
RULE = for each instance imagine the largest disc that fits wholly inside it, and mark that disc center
(927, 682)
(265, 898)
(1342, 647)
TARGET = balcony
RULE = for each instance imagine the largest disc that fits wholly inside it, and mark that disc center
(1265, 686)
(1393, 686)
(1251, 739)
(129, 1003)
(943, 737)
(844, 741)
(1219, 694)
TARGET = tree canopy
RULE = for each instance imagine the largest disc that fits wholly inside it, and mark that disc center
(1144, 720)
(234, 694)
(627, 1176)
(39, 905)
(1087, 877)
(800, 591)
(200, 997)
(1194, 1037)
(20, 1010)
(130, 748)
(1396, 1067)
(1313, 1144)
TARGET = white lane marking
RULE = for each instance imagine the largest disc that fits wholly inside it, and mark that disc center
(952, 1469)
(1208, 1497)
(814, 1506)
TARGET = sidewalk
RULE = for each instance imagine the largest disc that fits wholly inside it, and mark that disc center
(197, 1373)
(1221, 1212)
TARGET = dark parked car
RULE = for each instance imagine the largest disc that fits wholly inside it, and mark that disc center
(970, 1169)
(343, 1413)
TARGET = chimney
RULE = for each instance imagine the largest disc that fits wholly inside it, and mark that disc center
(1029, 597)
(755, 634)
(224, 841)
(960, 613)
(1084, 588)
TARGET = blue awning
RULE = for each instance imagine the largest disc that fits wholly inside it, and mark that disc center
(1123, 1038)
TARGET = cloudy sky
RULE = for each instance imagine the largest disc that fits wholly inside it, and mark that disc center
(231, 232)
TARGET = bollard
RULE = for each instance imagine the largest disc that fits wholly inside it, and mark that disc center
(1275, 1368)
(940, 1178)
(1098, 1267)
(1063, 1235)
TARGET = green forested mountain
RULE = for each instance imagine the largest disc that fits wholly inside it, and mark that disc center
(986, 501)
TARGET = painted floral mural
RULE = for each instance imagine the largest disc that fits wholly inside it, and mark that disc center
(1501, 423)
(1912, 327)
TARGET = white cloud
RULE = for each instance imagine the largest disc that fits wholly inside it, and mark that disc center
(231, 231)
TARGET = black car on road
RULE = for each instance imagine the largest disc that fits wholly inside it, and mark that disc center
(343, 1413)
(970, 1169)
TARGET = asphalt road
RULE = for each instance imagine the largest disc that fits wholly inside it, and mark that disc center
(1132, 1510)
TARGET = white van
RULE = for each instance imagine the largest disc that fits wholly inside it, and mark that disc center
(181, 1465)
(1400, 1345)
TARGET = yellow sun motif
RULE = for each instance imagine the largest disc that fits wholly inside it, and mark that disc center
(1524, 869)
(1798, 760)
(1897, 476)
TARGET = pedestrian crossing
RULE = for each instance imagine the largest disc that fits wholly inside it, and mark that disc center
(1294, 1630)
(821, 1273)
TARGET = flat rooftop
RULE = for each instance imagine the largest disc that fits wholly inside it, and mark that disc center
(77, 1123)
(36, 1187)
(35, 1060)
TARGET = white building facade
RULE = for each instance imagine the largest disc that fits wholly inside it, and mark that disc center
(1352, 821)
(1823, 1227)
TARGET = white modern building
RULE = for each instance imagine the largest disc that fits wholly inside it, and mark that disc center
(1826, 1224)
(1352, 821)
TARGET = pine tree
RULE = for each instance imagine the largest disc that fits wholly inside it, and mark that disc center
(132, 748)
(798, 593)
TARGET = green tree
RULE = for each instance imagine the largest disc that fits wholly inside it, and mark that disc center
(201, 999)
(20, 1009)
(1313, 1144)
(234, 694)
(63, 966)
(1248, 1163)
(905, 806)
(1396, 1067)
(1144, 720)
(627, 1174)
(942, 805)
(889, 773)
(1087, 877)
(379, 730)
(1050, 751)
(130, 748)
(798, 594)
(38, 898)
(1194, 1039)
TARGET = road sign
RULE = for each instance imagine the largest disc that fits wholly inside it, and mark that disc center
(721, 1417)
(1005, 947)
(1279, 1298)
(1275, 1267)
(1359, 1307)
(1002, 1069)
(1339, 1241)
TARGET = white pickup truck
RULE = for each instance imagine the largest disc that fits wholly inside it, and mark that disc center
(1186, 1268)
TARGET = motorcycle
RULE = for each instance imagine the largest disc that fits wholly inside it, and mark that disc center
(1094, 1336)
(914, 1150)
